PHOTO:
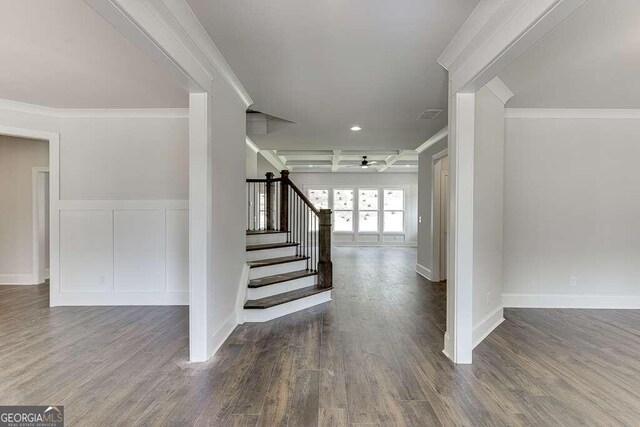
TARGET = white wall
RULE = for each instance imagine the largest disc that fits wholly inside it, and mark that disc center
(17, 158)
(123, 208)
(425, 200)
(251, 162)
(408, 181)
(571, 210)
(264, 166)
(229, 199)
(487, 213)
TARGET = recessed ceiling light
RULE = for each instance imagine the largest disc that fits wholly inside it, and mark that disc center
(356, 128)
(407, 166)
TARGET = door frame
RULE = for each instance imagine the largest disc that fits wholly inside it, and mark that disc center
(435, 215)
(54, 201)
(37, 192)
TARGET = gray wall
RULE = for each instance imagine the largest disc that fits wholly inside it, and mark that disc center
(487, 206)
(229, 198)
(572, 205)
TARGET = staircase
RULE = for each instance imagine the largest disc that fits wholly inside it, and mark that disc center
(288, 250)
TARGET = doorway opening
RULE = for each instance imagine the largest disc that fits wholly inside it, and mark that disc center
(25, 212)
(40, 210)
(24, 169)
(440, 217)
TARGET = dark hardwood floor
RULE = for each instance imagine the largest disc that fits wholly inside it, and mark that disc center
(371, 356)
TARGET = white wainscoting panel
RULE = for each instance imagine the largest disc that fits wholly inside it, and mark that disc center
(86, 251)
(138, 250)
(124, 252)
(177, 244)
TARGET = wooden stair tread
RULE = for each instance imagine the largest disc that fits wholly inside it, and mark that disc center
(283, 298)
(271, 246)
(258, 232)
(279, 278)
(274, 261)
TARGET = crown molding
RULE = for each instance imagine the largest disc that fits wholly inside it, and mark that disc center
(442, 133)
(497, 32)
(569, 113)
(106, 113)
(169, 32)
(500, 90)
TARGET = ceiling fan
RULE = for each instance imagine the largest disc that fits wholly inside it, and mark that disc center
(364, 164)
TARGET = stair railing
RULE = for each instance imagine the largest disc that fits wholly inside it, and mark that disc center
(277, 204)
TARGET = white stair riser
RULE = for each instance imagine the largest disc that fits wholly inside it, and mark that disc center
(270, 253)
(278, 288)
(256, 273)
(260, 239)
(264, 315)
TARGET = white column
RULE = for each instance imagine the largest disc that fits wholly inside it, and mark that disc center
(459, 337)
(200, 223)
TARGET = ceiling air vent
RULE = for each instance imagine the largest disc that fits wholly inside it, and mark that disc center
(430, 114)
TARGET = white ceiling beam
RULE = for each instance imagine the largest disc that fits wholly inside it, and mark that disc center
(305, 152)
(169, 32)
(442, 133)
(360, 153)
(309, 163)
(272, 157)
(496, 33)
(252, 145)
(392, 159)
(335, 161)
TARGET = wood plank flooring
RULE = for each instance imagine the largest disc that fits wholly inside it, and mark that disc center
(370, 357)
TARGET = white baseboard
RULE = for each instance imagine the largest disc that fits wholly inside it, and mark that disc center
(377, 244)
(18, 279)
(487, 325)
(425, 272)
(120, 298)
(217, 339)
(47, 274)
(448, 349)
(241, 296)
(613, 302)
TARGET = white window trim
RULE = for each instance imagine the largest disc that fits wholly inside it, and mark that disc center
(404, 211)
(356, 212)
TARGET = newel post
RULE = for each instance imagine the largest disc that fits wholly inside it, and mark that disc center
(269, 201)
(284, 201)
(325, 267)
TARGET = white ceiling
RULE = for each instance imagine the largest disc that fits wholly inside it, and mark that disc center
(592, 60)
(62, 54)
(329, 64)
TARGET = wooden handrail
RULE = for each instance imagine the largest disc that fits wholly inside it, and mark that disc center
(304, 198)
(263, 180)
